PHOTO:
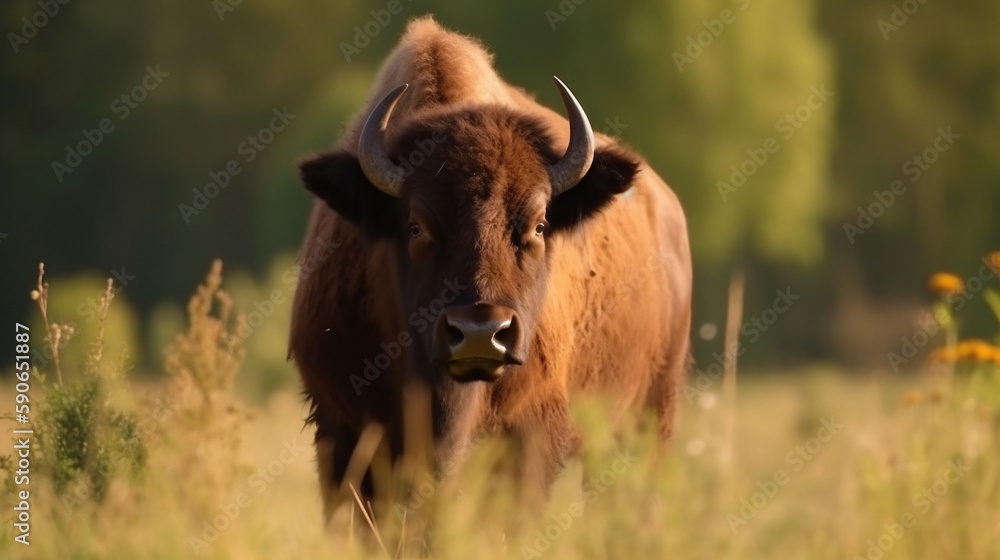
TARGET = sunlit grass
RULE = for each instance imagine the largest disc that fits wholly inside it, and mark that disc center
(824, 465)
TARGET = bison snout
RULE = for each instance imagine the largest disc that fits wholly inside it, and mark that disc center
(476, 341)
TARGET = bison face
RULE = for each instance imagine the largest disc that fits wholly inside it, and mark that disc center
(471, 200)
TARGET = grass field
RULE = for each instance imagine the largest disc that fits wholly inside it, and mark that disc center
(804, 464)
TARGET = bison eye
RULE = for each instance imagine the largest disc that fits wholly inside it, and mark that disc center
(414, 230)
(540, 228)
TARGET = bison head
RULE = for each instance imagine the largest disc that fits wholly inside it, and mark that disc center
(471, 199)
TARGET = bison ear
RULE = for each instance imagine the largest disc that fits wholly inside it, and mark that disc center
(337, 179)
(611, 173)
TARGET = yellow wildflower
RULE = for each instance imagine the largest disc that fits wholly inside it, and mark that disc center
(912, 398)
(945, 354)
(972, 349)
(944, 284)
(993, 261)
(982, 352)
(995, 356)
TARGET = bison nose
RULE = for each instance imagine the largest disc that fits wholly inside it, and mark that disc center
(476, 341)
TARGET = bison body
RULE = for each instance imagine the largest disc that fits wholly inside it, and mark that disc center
(475, 243)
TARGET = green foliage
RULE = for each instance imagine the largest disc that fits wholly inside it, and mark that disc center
(86, 441)
(732, 97)
(228, 70)
(100, 450)
(936, 70)
(86, 435)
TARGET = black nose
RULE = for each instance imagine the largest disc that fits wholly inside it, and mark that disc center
(476, 341)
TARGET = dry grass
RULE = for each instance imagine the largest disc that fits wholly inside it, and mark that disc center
(220, 479)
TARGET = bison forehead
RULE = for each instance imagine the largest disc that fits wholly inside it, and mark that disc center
(481, 148)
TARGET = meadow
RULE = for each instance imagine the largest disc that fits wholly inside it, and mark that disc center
(816, 463)
(841, 155)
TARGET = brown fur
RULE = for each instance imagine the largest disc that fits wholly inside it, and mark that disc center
(606, 295)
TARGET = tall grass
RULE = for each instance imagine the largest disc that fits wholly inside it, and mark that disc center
(87, 431)
(822, 466)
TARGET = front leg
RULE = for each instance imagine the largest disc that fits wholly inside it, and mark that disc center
(545, 441)
(333, 453)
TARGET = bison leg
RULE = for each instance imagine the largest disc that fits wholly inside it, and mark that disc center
(665, 387)
(329, 487)
(334, 449)
(544, 445)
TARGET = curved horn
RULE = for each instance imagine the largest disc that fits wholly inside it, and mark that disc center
(567, 172)
(375, 163)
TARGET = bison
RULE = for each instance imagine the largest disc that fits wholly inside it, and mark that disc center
(476, 243)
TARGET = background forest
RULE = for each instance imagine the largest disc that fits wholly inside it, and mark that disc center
(845, 100)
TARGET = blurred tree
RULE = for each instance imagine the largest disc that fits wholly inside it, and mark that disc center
(909, 71)
(698, 87)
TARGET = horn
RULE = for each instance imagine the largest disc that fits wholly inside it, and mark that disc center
(375, 163)
(567, 172)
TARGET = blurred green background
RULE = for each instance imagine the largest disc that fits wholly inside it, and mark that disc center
(844, 95)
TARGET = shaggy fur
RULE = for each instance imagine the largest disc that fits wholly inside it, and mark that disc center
(603, 294)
